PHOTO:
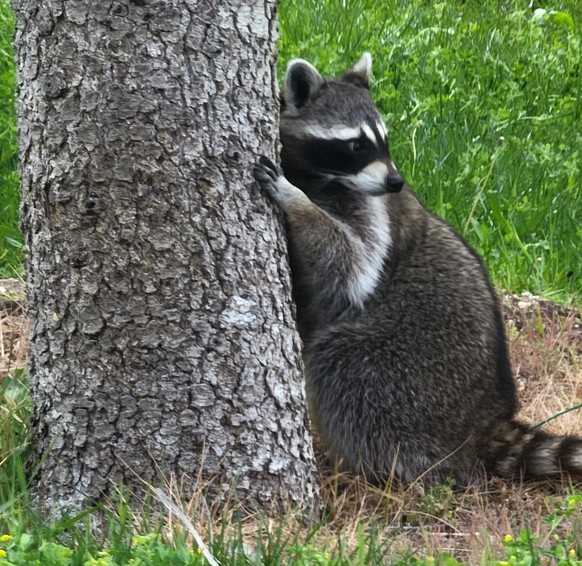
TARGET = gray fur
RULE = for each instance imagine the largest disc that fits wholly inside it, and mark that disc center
(409, 375)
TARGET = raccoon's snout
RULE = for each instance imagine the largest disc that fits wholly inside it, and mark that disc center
(394, 183)
(377, 178)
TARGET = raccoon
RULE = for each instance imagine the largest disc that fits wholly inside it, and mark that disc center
(407, 369)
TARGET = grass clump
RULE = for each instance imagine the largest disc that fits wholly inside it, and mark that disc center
(27, 549)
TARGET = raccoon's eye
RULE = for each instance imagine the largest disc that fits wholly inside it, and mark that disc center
(356, 146)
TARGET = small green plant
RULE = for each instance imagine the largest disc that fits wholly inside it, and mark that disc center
(307, 555)
(559, 546)
(438, 501)
(27, 549)
(443, 559)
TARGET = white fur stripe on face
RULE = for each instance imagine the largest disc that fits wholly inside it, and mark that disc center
(332, 133)
(381, 129)
(369, 133)
(343, 133)
(371, 179)
(376, 170)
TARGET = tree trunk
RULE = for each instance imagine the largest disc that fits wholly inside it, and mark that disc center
(163, 337)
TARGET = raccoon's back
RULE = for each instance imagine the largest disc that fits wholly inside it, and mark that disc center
(437, 300)
(422, 372)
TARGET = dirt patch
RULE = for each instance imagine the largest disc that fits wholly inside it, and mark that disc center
(14, 346)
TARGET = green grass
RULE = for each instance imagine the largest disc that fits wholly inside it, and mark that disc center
(10, 237)
(484, 106)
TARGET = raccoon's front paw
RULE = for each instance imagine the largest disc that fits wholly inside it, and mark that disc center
(272, 180)
(267, 175)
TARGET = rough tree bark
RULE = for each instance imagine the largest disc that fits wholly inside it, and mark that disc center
(158, 287)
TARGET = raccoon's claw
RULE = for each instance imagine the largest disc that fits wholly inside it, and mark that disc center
(271, 168)
(273, 182)
(267, 171)
(267, 174)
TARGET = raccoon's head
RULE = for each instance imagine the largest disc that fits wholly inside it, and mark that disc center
(332, 133)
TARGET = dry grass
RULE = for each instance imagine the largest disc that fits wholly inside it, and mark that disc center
(14, 344)
(546, 350)
(470, 524)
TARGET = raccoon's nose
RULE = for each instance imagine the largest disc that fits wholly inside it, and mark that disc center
(394, 182)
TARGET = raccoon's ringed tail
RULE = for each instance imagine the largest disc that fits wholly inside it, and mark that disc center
(515, 448)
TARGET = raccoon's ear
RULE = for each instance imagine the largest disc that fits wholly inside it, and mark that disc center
(302, 81)
(361, 73)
